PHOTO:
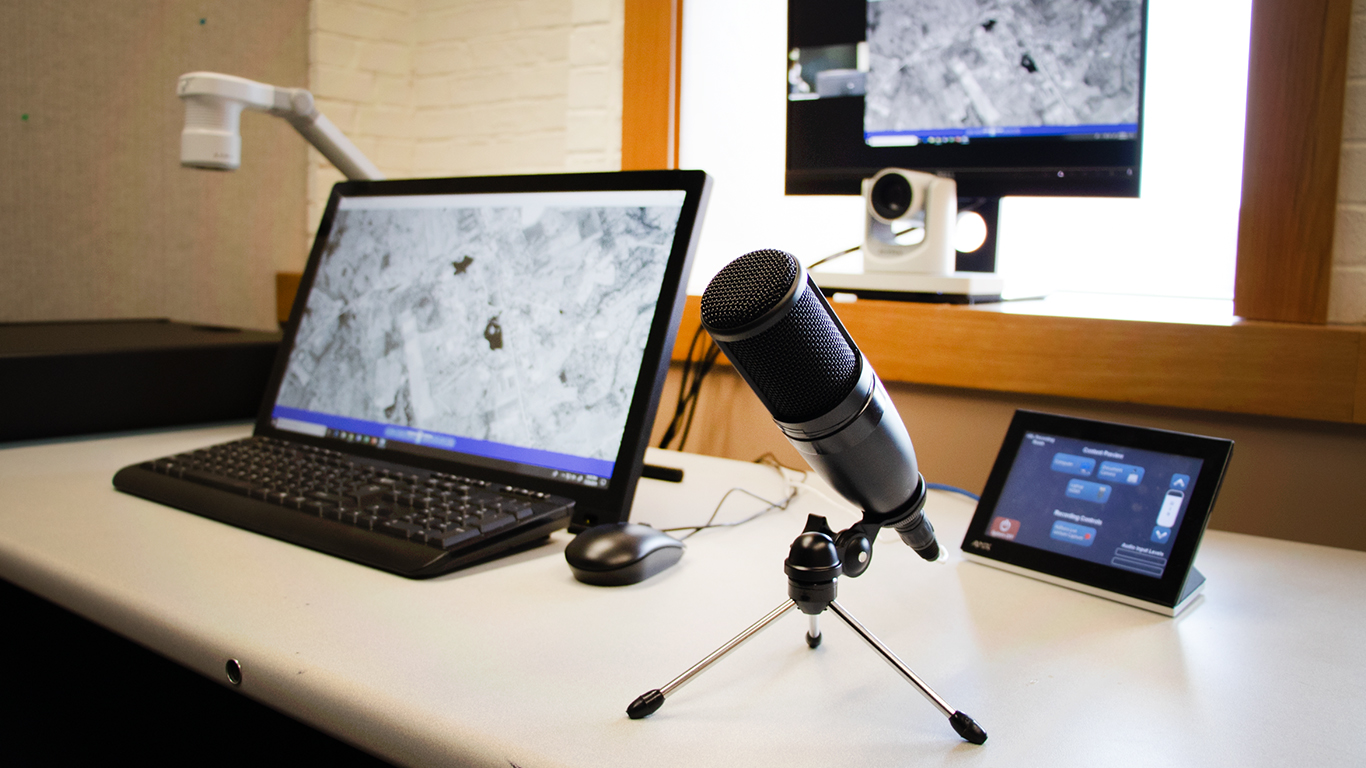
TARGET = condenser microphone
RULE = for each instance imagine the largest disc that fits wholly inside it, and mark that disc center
(776, 328)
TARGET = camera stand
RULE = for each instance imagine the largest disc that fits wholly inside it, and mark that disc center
(813, 568)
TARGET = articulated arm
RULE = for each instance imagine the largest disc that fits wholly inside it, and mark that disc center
(213, 109)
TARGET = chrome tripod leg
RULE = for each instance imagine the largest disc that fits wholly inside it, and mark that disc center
(646, 704)
(961, 723)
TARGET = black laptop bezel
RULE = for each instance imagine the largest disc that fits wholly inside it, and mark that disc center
(1167, 590)
(593, 506)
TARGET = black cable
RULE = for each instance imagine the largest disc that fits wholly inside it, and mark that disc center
(771, 460)
(682, 393)
(708, 361)
(768, 459)
(848, 251)
(832, 257)
(695, 370)
(772, 505)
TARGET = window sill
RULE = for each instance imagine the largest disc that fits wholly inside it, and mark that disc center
(1134, 351)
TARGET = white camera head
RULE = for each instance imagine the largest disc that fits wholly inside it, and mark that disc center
(213, 110)
(894, 198)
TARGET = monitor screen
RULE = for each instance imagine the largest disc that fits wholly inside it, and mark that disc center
(1009, 97)
(501, 330)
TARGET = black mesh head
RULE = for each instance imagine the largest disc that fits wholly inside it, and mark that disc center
(802, 366)
(747, 288)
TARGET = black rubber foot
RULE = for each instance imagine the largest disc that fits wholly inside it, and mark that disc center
(648, 703)
(966, 728)
(813, 641)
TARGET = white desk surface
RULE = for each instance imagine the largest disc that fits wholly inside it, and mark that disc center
(514, 662)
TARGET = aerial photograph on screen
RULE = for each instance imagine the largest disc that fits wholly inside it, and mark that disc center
(947, 64)
(519, 325)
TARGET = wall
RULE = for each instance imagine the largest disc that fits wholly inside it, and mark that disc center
(100, 220)
(1347, 297)
(1288, 479)
(466, 87)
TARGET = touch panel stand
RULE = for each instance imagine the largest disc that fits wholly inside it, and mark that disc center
(1195, 584)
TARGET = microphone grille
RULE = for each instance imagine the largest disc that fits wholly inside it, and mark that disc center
(747, 288)
(802, 366)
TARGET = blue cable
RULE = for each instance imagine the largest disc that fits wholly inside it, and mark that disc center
(952, 489)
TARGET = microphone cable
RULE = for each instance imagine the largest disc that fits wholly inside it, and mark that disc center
(952, 489)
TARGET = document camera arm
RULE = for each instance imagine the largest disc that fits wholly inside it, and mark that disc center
(213, 109)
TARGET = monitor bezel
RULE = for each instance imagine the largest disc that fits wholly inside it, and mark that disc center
(593, 506)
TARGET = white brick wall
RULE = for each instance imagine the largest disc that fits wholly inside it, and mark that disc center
(464, 87)
(1347, 300)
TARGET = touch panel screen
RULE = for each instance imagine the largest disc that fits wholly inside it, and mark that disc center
(1108, 504)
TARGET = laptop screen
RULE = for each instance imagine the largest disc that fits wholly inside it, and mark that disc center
(503, 330)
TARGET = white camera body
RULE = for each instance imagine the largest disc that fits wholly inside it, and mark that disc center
(897, 201)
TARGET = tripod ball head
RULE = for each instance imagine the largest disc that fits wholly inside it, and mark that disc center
(813, 567)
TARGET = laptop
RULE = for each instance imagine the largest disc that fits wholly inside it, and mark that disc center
(470, 365)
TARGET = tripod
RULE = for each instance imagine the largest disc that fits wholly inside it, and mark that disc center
(813, 567)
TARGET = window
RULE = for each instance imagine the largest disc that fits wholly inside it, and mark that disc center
(1178, 239)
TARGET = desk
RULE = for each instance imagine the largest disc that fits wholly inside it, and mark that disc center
(515, 662)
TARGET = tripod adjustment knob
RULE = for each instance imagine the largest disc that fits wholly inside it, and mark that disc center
(856, 550)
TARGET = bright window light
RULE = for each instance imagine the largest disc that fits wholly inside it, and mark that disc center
(1178, 239)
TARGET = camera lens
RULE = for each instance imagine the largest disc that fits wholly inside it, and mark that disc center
(891, 196)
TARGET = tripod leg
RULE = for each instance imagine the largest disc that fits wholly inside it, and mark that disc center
(647, 703)
(813, 635)
(961, 723)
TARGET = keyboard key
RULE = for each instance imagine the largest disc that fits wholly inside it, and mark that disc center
(448, 539)
(496, 523)
(363, 494)
(214, 481)
(403, 530)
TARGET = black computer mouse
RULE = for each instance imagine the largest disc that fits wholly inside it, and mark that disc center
(617, 554)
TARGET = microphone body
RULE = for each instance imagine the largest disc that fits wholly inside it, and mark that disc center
(776, 328)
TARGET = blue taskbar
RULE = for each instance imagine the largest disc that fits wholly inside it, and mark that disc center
(563, 467)
(964, 135)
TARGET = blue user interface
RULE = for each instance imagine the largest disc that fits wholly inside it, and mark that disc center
(1107, 504)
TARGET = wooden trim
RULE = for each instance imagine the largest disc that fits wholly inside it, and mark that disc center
(1271, 369)
(1297, 74)
(286, 286)
(1360, 413)
(652, 57)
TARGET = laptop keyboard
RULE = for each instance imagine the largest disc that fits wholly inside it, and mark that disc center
(436, 510)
